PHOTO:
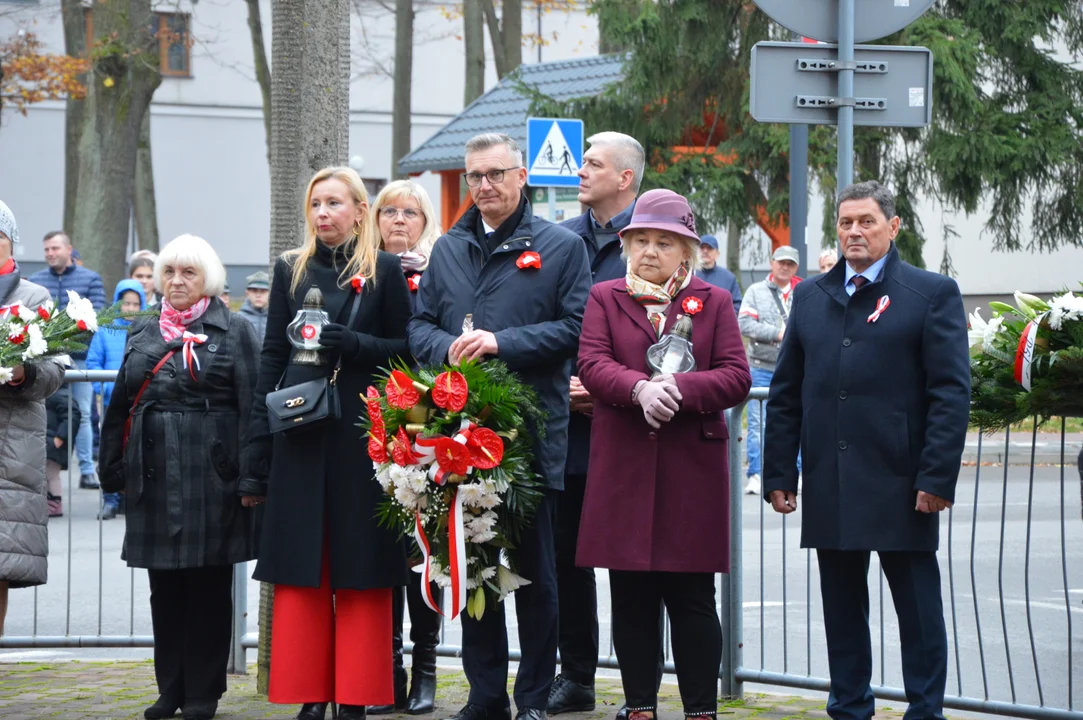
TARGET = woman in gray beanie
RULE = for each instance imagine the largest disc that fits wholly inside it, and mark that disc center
(24, 538)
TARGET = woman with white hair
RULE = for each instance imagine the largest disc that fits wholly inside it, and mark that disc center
(175, 441)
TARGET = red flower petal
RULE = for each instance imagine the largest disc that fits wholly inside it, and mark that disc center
(452, 457)
(377, 447)
(413, 281)
(450, 391)
(403, 452)
(375, 412)
(486, 449)
(43, 313)
(81, 325)
(401, 392)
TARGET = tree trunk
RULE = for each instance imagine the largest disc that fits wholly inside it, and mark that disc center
(310, 130)
(404, 69)
(310, 105)
(117, 98)
(512, 31)
(146, 209)
(263, 70)
(733, 250)
(74, 110)
(474, 42)
(495, 36)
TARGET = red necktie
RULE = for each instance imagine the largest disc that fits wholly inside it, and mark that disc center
(859, 281)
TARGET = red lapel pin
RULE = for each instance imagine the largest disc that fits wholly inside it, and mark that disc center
(529, 259)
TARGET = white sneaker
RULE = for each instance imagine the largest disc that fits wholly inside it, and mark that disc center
(753, 487)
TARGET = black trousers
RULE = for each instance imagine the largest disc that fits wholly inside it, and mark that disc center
(424, 623)
(577, 590)
(914, 579)
(485, 641)
(637, 637)
(191, 611)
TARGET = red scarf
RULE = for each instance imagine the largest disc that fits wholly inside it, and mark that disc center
(173, 322)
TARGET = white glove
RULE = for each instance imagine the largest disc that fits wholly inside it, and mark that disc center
(670, 384)
(658, 405)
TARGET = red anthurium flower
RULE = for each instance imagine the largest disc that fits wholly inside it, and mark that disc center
(401, 392)
(358, 282)
(529, 260)
(373, 402)
(452, 457)
(450, 391)
(486, 449)
(692, 305)
(377, 445)
(403, 453)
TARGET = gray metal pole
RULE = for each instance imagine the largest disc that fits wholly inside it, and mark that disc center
(846, 94)
(239, 658)
(799, 194)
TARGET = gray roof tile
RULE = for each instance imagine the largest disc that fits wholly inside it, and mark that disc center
(504, 109)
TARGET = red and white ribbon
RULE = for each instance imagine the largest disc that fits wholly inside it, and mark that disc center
(457, 557)
(1024, 354)
(425, 449)
(881, 305)
(191, 360)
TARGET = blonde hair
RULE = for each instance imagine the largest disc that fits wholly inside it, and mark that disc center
(407, 189)
(363, 256)
(193, 251)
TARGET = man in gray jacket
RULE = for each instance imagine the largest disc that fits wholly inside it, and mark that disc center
(257, 295)
(24, 535)
(765, 310)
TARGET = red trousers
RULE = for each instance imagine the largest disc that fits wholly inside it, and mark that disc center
(331, 645)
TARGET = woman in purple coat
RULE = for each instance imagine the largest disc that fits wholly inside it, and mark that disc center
(656, 511)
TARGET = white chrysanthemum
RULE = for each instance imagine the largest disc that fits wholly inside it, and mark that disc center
(398, 474)
(16, 329)
(1065, 308)
(36, 345)
(488, 573)
(490, 501)
(383, 477)
(437, 574)
(418, 479)
(81, 309)
(5, 375)
(405, 496)
(472, 494)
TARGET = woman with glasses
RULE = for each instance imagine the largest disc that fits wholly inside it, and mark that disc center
(405, 225)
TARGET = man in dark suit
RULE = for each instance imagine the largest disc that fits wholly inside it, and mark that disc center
(524, 282)
(873, 383)
(608, 182)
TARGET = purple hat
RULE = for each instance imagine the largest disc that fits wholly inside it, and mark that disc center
(663, 210)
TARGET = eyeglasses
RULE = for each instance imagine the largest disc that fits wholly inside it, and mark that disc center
(495, 176)
(391, 212)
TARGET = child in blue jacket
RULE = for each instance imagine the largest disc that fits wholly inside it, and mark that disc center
(106, 353)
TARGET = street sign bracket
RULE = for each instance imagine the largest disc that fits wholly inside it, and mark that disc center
(876, 67)
(822, 101)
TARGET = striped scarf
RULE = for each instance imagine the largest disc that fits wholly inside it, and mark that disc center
(657, 298)
(173, 322)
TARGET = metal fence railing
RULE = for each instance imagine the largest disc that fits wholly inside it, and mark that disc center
(1011, 555)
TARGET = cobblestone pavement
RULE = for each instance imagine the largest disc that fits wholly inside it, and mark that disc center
(74, 690)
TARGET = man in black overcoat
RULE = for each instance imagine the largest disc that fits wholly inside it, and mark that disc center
(524, 282)
(873, 383)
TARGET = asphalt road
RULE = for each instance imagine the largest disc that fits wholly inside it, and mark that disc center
(988, 557)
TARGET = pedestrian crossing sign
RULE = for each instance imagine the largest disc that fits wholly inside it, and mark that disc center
(554, 152)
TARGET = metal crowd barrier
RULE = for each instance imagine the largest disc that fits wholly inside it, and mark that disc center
(1010, 558)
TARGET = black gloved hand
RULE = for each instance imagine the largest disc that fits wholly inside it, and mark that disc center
(338, 337)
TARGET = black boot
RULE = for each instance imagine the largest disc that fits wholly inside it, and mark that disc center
(312, 711)
(397, 609)
(351, 712)
(425, 634)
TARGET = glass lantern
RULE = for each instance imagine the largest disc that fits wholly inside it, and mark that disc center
(673, 353)
(304, 331)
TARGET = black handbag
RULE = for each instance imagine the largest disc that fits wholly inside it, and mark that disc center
(309, 403)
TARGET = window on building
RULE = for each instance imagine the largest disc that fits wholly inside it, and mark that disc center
(170, 31)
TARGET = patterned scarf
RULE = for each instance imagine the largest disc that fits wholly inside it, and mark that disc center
(173, 322)
(657, 298)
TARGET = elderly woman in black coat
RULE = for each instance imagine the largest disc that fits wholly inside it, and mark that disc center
(333, 566)
(175, 440)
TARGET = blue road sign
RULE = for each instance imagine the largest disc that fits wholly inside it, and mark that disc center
(554, 152)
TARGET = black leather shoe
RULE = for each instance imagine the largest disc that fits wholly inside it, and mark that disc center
(530, 714)
(351, 712)
(163, 707)
(470, 711)
(200, 709)
(569, 696)
(622, 714)
(422, 700)
(312, 711)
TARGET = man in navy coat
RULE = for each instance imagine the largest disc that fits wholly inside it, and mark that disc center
(525, 282)
(608, 183)
(873, 383)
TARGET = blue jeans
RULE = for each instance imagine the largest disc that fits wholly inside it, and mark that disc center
(82, 394)
(756, 419)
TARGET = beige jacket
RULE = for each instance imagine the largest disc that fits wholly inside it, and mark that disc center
(24, 535)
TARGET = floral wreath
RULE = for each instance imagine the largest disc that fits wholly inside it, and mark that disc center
(452, 450)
